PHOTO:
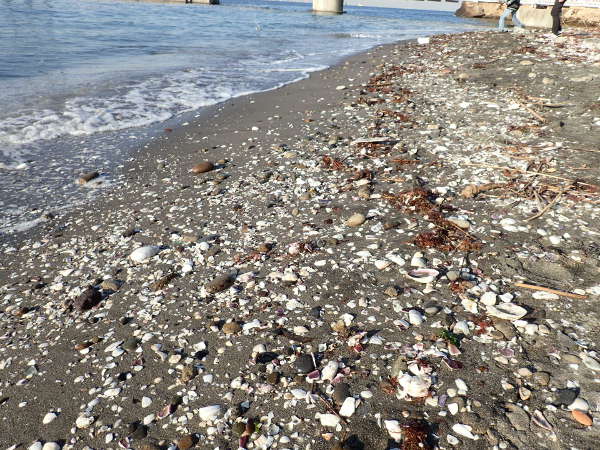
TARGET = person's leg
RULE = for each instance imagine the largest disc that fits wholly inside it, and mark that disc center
(503, 17)
(516, 20)
(556, 11)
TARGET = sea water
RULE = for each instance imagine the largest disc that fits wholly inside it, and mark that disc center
(83, 82)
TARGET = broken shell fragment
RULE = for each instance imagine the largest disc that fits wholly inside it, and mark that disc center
(423, 275)
(209, 413)
(507, 311)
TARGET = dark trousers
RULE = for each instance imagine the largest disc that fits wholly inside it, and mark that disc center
(555, 13)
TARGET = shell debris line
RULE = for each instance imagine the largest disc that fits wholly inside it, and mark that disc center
(411, 262)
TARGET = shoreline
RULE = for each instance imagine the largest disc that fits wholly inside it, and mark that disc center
(303, 280)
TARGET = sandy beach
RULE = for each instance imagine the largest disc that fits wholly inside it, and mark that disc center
(401, 251)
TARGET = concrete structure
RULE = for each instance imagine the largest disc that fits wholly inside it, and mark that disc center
(536, 13)
(328, 6)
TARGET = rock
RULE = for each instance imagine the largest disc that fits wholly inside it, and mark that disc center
(111, 285)
(48, 418)
(392, 291)
(87, 177)
(131, 344)
(219, 284)
(517, 417)
(582, 418)
(564, 397)
(304, 364)
(415, 317)
(356, 220)
(186, 442)
(84, 421)
(187, 374)
(341, 392)
(88, 299)
(273, 378)
(203, 167)
(231, 328)
(452, 275)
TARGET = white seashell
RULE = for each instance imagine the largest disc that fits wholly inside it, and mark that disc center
(84, 421)
(51, 446)
(418, 260)
(461, 385)
(250, 325)
(356, 220)
(330, 370)
(394, 429)
(579, 404)
(415, 386)
(328, 420)
(209, 413)
(590, 362)
(348, 407)
(539, 419)
(299, 394)
(541, 295)
(488, 298)
(423, 275)
(146, 401)
(364, 254)
(462, 327)
(382, 264)
(452, 440)
(37, 445)
(143, 253)
(294, 248)
(49, 418)
(396, 259)
(463, 430)
(112, 392)
(147, 420)
(507, 311)
(453, 408)
(366, 394)
(415, 317)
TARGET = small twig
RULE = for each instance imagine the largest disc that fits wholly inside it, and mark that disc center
(534, 114)
(554, 201)
(552, 291)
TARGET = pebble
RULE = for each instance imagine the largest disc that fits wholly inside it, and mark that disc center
(304, 364)
(186, 442)
(203, 167)
(415, 317)
(517, 417)
(356, 220)
(219, 284)
(231, 328)
(48, 418)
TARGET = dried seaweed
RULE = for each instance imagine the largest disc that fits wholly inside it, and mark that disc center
(416, 435)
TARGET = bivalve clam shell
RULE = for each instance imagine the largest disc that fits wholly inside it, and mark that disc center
(423, 275)
(507, 311)
(144, 253)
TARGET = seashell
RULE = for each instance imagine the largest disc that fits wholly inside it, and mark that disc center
(453, 408)
(328, 420)
(423, 275)
(582, 418)
(84, 421)
(507, 311)
(590, 362)
(415, 317)
(415, 386)
(209, 413)
(579, 404)
(488, 298)
(382, 264)
(125, 442)
(462, 327)
(330, 370)
(418, 260)
(394, 429)
(141, 254)
(299, 394)
(461, 385)
(294, 248)
(396, 259)
(49, 418)
(166, 411)
(463, 430)
(539, 419)
(348, 407)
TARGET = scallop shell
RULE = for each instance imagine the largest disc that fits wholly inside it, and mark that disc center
(143, 253)
(507, 311)
(423, 275)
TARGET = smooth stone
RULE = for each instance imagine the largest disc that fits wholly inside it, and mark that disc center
(582, 418)
(356, 220)
(219, 284)
(88, 299)
(452, 275)
(232, 328)
(203, 167)
(564, 397)
(186, 442)
(304, 364)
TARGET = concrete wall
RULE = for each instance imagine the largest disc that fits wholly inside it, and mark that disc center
(531, 16)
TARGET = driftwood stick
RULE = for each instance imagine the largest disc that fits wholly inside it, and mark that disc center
(534, 114)
(552, 291)
(554, 201)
